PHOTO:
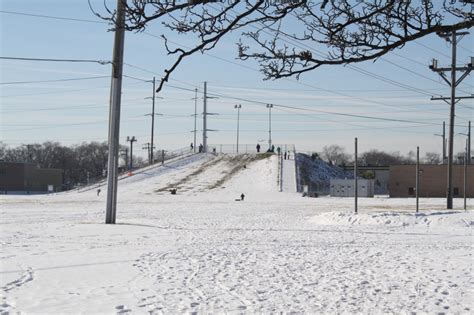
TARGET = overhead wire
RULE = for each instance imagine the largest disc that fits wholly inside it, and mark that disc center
(56, 80)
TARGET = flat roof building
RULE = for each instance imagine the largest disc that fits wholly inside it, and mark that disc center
(28, 178)
(433, 181)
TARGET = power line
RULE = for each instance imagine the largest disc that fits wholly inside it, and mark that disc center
(57, 80)
(102, 62)
(52, 17)
(432, 49)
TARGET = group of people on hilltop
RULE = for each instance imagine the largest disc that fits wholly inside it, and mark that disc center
(286, 154)
(200, 148)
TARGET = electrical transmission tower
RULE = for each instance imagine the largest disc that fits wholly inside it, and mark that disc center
(454, 38)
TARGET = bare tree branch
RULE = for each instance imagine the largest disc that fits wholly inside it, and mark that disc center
(283, 35)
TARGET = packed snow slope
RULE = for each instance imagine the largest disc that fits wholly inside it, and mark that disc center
(250, 174)
(200, 251)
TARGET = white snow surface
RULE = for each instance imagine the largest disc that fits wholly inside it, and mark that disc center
(201, 251)
(289, 176)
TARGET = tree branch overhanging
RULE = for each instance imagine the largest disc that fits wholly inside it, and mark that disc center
(348, 31)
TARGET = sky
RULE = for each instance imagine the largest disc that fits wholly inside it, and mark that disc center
(397, 86)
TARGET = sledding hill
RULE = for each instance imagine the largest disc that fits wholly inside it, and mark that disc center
(208, 173)
(318, 173)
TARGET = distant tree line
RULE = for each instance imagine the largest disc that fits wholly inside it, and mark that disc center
(335, 154)
(79, 163)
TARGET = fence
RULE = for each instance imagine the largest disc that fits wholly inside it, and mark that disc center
(245, 148)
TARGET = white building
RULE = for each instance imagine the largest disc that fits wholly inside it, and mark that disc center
(345, 188)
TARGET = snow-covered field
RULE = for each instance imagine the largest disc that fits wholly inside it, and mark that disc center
(200, 251)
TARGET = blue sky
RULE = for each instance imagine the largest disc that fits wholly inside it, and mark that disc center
(74, 111)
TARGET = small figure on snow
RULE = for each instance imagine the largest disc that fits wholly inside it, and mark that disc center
(192, 146)
(284, 155)
(201, 148)
(258, 147)
(278, 150)
(98, 192)
(173, 191)
(242, 197)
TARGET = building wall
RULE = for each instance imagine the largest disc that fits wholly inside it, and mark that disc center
(12, 176)
(345, 188)
(381, 180)
(433, 180)
(28, 178)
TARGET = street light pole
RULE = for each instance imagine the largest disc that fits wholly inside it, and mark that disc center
(269, 106)
(238, 107)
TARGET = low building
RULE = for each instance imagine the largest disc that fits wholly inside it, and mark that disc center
(345, 187)
(432, 181)
(380, 175)
(28, 178)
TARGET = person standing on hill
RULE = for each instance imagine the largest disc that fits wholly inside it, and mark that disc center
(258, 147)
(284, 155)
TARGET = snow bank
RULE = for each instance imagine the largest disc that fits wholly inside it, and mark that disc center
(447, 219)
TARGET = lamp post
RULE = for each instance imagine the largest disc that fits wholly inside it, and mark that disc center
(238, 107)
(269, 106)
(131, 140)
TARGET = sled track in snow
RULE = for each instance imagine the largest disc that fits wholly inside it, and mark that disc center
(196, 180)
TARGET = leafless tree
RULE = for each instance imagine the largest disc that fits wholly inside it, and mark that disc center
(289, 38)
(335, 154)
(432, 158)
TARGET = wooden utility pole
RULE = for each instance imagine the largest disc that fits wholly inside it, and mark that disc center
(451, 37)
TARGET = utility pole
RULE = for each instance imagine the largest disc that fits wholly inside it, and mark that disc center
(124, 153)
(152, 120)
(356, 190)
(114, 114)
(466, 158)
(146, 146)
(469, 143)
(444, 142)
(204, 120)
(238, 107)
(195, 117)
(451, 37)
(131, 140)
(269, 106)
(417, 179)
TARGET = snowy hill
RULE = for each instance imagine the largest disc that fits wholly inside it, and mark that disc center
(318, 173)
(207, 173)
